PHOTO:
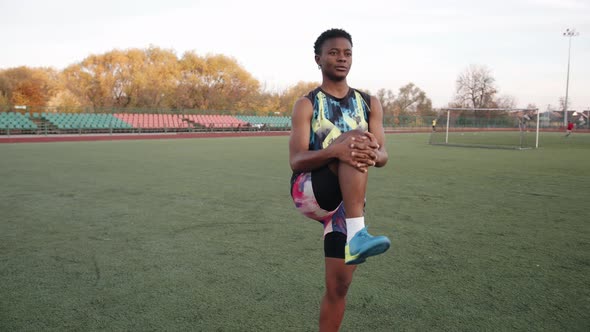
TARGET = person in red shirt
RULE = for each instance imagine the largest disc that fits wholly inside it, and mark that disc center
(570, 127)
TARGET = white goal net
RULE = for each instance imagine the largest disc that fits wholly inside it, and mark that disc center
(487, 128)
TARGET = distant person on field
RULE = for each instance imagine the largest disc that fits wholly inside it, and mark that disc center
(570, 128)
(434, 125)
(523, 122)
(337, 136)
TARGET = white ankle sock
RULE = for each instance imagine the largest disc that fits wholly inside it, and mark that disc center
(353, 225)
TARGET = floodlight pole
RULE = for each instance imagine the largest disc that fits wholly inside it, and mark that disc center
(568, 33)
(448, 121)
(537, 134)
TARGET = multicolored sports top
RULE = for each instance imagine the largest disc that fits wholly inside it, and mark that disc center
(333, 116)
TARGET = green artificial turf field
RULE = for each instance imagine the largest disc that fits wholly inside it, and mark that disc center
(201, 234)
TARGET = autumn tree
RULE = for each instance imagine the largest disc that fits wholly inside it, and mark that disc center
(27, 86)
(155, 77)
(266, 103)
(475, 88)
(387, 100)
(6, 87)
(505, 102)
(130, 78)
(98, 80)
(412, 100)
(227, 85)
(215, 82)
(189, 91)
(80, 84)
(289, 96)
(64, 100)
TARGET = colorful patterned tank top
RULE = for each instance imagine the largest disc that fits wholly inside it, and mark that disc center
(333, 116)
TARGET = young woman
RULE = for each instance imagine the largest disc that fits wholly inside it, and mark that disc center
(336, 137)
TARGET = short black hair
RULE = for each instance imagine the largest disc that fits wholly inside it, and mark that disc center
(329, 34)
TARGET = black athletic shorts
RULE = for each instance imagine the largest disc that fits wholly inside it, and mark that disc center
(318, 196)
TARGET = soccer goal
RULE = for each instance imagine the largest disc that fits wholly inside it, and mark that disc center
(493, 128)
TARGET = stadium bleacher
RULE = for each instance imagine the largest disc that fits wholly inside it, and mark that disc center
(14, 120)
(144, 120)
(62, 122)
(270, 121)
(84, 121)
(151, 121)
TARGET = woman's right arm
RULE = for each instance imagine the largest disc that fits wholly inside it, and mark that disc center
(300, 157)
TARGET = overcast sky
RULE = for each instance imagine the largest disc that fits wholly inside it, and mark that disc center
(426, 42)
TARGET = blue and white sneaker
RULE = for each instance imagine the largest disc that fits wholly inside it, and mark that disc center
(364, 245)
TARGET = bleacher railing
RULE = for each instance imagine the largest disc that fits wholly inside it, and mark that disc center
(49, 121)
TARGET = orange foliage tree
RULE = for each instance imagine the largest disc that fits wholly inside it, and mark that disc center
(157, 78)
(27, 86)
